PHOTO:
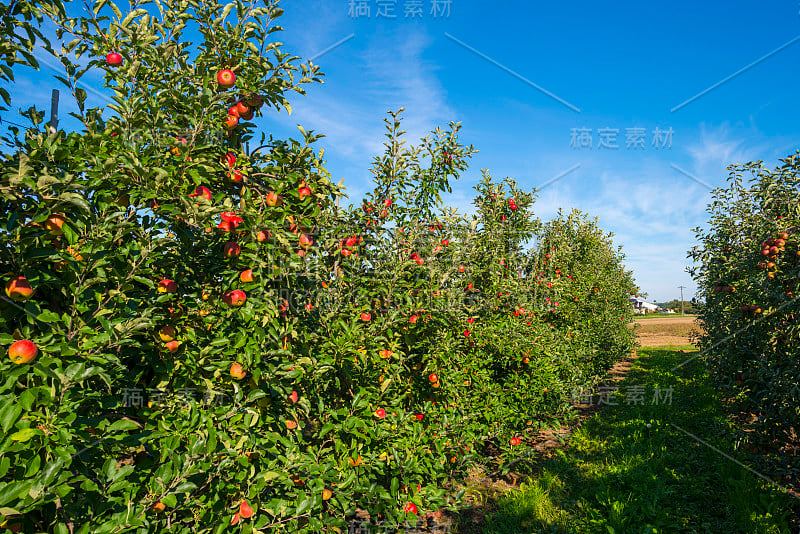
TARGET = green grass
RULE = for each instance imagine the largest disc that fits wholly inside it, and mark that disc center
(620, 476)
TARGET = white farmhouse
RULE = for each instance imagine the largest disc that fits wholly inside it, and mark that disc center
(642, 306)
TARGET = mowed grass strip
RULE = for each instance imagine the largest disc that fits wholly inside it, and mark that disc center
(630, 469)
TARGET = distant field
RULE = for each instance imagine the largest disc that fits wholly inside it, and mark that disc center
(664, 330)
(664, 315)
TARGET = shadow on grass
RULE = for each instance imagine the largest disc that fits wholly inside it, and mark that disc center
(633, 468)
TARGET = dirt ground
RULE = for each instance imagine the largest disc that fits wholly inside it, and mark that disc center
(663, 331)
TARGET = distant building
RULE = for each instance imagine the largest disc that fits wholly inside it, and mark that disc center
(642, 306)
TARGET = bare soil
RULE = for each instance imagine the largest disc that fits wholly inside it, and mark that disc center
(664, 331)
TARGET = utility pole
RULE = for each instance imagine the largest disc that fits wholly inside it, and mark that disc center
(53, 112)
(681, 288)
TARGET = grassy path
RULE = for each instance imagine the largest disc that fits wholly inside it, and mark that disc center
(634, 469)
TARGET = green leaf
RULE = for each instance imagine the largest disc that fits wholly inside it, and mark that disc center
(122, 425)
(9, 415)
(48, 316)
(24, 434)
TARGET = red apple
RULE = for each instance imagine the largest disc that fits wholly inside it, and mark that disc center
(54, 224)
(255, 101)
(172, 346)
(262, 235)
(294, 397)
(516, 441)
(235, 176)
(167, 333)
(114, 59)
(231, 249)
(167, 286)
(410, 508)
(304, 192)
(201, 191)
(274, 199)
(245, 511)
(305, 240)
(433, 378)
(381, 413)
(22, 351)
(237, 371)
(19, 289)
(246, 276)
(236, 298)
(231, 122)
(226, 78)
(413, 319)
(365, 316)
(242, 108)
(387, 203)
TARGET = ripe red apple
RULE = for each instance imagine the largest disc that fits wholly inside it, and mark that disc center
(246, 276)
(242, 108)
(201, 191)
(167, 333)
(114, 59)
(255, 101)
(516, 441)
(304, 192)
(22, 351)
(387, 203)
(19, 289)
(413, 319)
(461, 269)
(172, 346)
(381, 413)
(305, 240)
(247, 116)
(274, 199)
(236, 298)
(293, 397)
(433, 378)
(262, 235)
(365, 316)
(420, 417)
(167, 286)
(420, 261)
(226, 78)
(245, 511)
(231, 249)
(231, 122)
(235, 176)
(410, 508)
(237, 371)
(54, 224)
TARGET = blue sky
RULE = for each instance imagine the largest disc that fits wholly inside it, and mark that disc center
(623, 65)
